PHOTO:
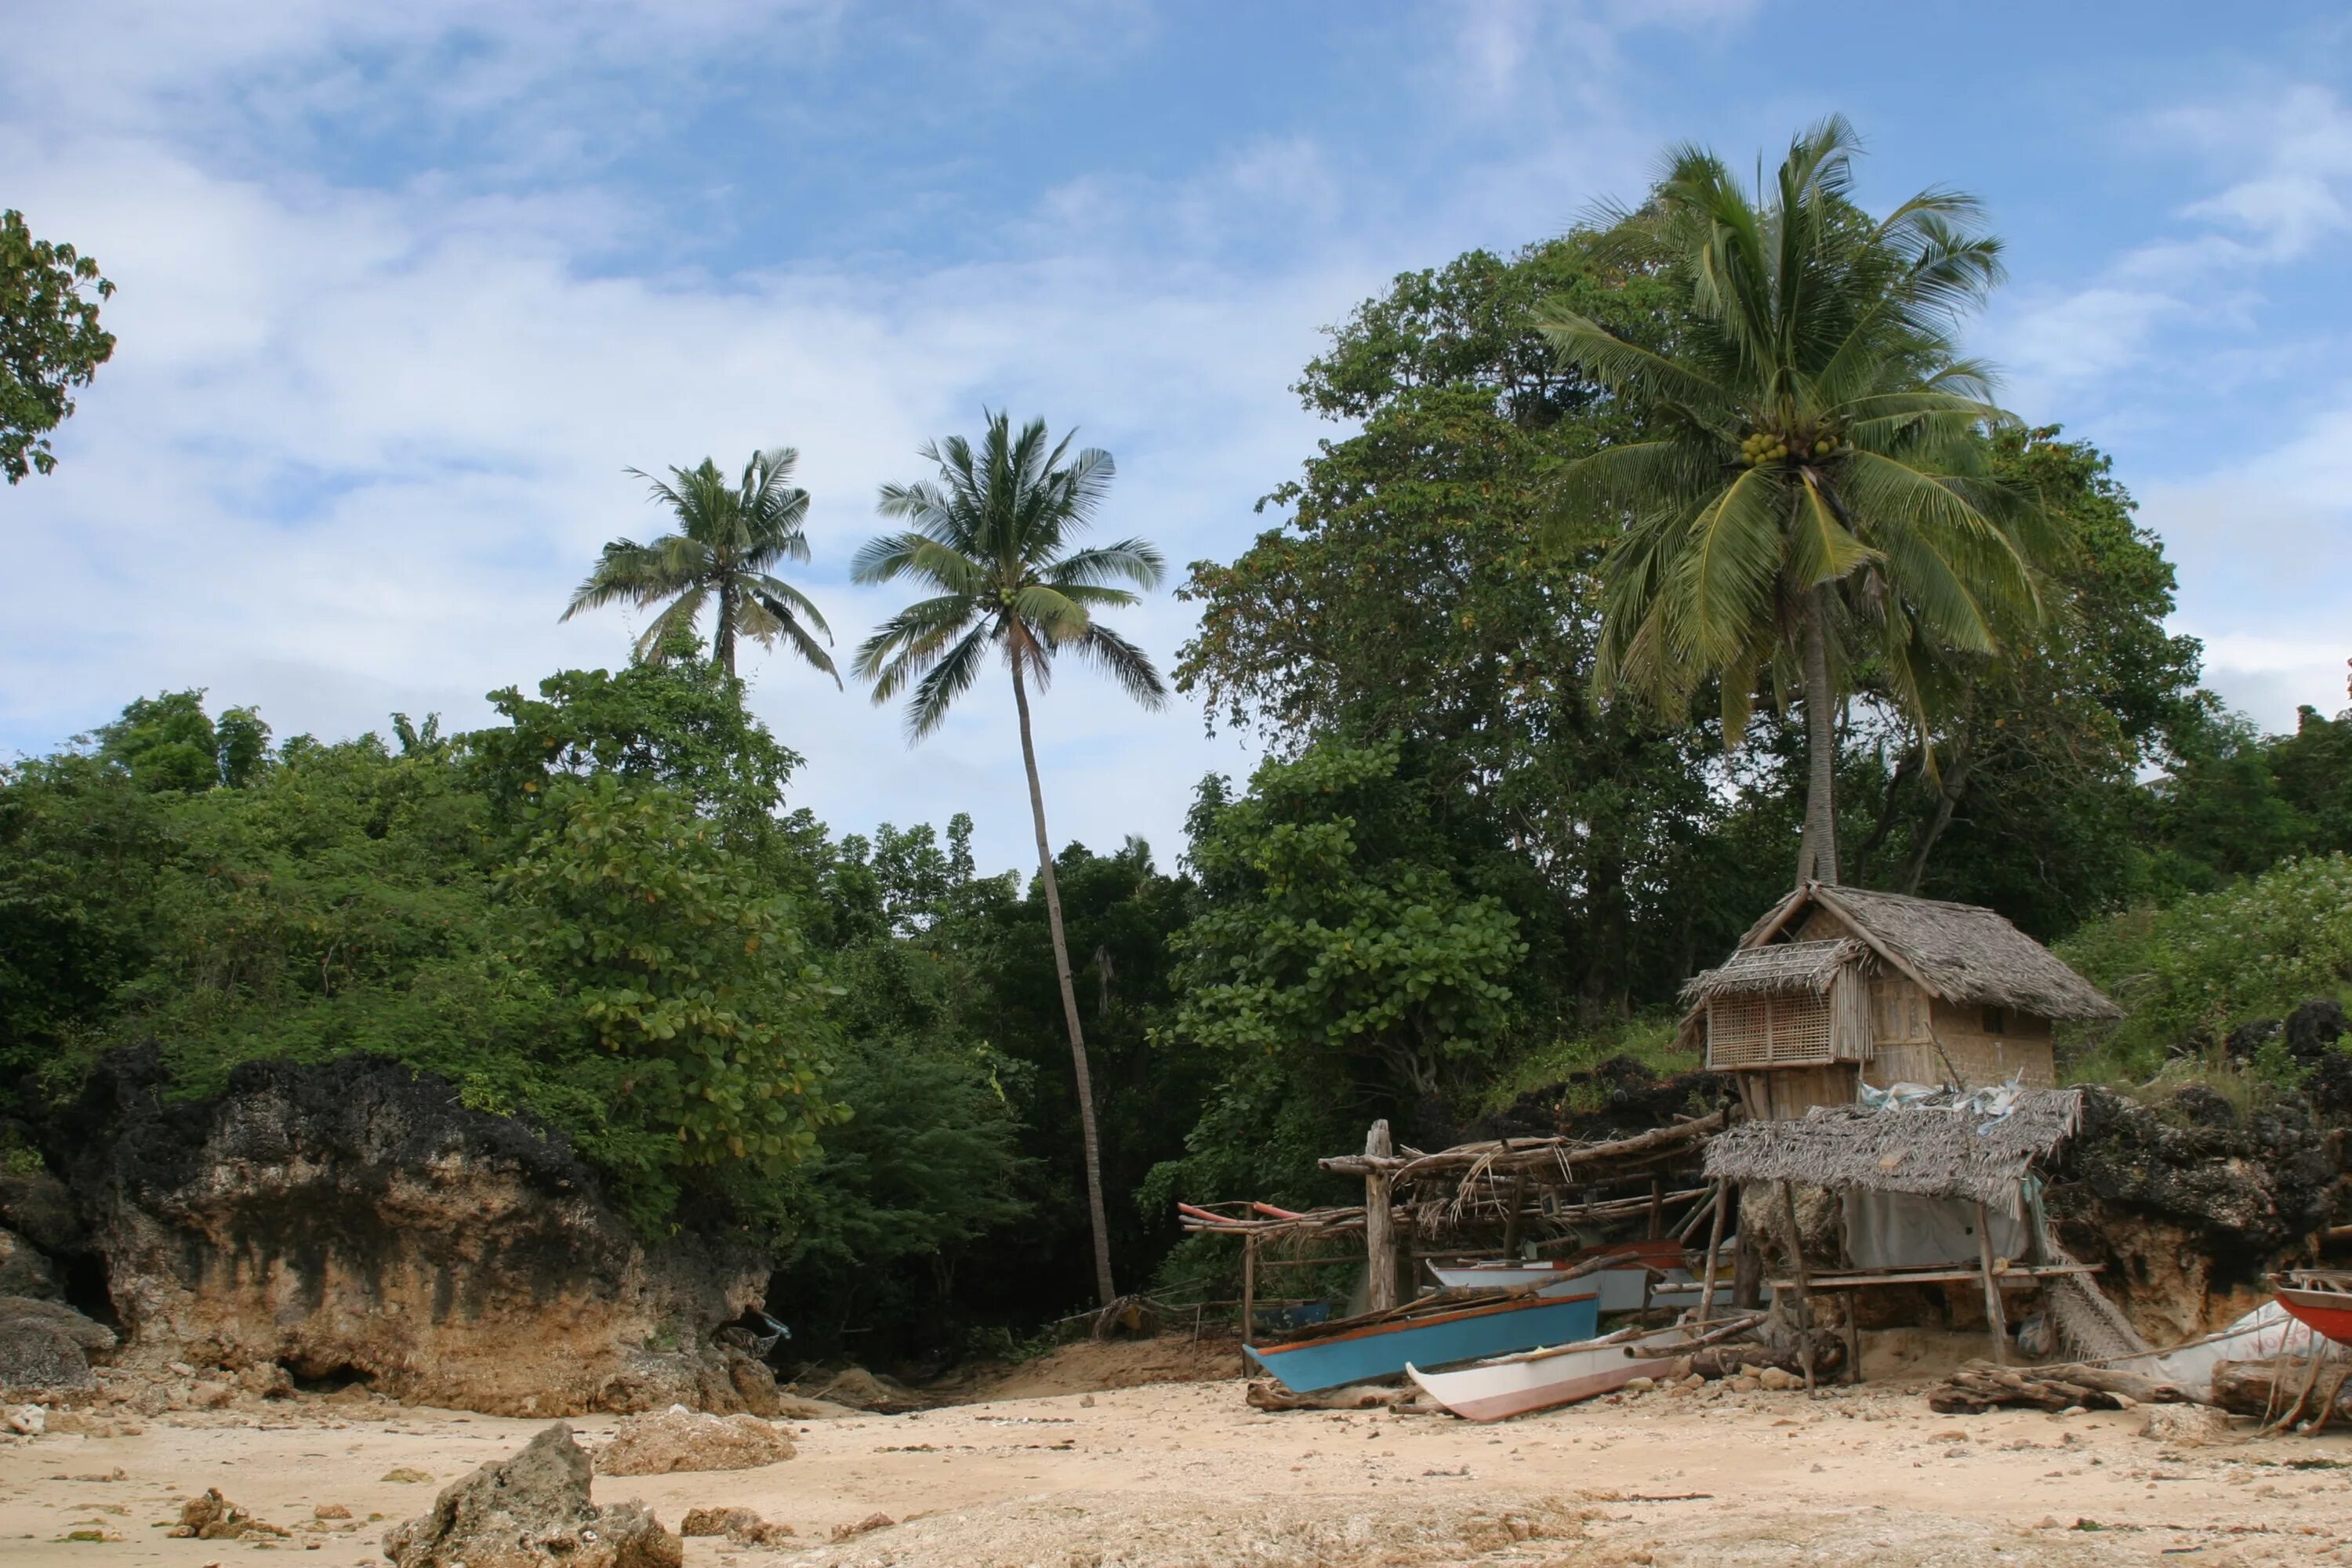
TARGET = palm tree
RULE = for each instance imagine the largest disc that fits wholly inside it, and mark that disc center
(1814, 492)
(729, 539)
(991, 536)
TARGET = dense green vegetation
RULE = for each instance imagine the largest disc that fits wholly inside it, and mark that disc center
(1464, 871)
(51, 341)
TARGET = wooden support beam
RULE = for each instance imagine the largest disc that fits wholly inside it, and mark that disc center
(1380, 1229)
(1996, 1318)
(1804, 1291)
(1249, 1292)
(1714, 1249)
(1657, 1207)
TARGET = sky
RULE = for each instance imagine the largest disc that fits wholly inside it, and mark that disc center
(404, 289)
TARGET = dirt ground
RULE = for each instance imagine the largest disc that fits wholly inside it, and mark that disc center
(1185, 1475)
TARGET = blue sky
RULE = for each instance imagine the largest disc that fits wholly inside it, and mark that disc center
(404, 289)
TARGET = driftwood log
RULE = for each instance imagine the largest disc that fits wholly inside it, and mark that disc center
(1980, 1386)
(1265, 1393)
(2284, 1390)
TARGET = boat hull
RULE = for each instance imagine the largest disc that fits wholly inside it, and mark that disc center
(2324, 1313)
(1619, 1288)
(1546, 1379)
(1469, 1333)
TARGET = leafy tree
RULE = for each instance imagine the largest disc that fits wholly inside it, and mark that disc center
(992, 535)
(1339, 962)
(1414, 590)
(170, 742)
(50, 341)
(682, 963)
(729, 540)
(1816, 488)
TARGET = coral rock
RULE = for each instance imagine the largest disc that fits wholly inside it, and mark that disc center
(680, 1440)
(532, 1511)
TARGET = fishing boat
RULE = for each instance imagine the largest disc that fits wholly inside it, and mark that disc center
(2321, 1298)
(1434, 1333)
(1658, 1264)
(1540, 1379)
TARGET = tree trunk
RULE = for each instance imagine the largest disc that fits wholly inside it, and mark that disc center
(1817, 859)
(1069, 997)
(722, 635)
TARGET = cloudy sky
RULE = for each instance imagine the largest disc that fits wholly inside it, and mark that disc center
(405, 288)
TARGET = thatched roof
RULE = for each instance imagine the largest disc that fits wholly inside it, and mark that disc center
(1961, 953)
(1949, 1145)
(1782, 969)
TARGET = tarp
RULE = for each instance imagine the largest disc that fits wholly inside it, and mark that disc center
(1898, 1230)
(2266, 1334)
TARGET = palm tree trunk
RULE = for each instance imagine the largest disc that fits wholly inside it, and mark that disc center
(1069, 998)
(722, 635)
(1817, 857)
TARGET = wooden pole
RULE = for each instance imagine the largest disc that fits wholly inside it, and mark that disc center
(1996, 1320)
(1511, 1220)
(1379, 1233)
(1249, 1292)
(1714, 1249)
(1854, 1336)
(1657, 1207)
(1804, 1285)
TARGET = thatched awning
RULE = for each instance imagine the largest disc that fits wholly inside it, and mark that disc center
(1962, 952)
(1783, 969)
(1947, 1145)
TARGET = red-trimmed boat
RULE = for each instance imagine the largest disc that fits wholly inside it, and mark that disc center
(2321, 1298)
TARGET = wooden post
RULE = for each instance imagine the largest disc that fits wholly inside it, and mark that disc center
(1511, 1220)
(1804, 1284)
(1854, 1336)
(1379, 1236)
(1714, 1249)
(1996, 1318)
(1249, 1291)
(1657, 1206)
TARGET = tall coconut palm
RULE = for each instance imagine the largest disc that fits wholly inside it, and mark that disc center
(1815, 492)
(729, 541)
(990, 537)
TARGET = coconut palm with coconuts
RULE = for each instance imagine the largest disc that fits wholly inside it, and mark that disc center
(990, 535)
(1815, 492)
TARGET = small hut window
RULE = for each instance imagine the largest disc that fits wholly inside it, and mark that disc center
(1766, 1031)
(1996, 1021)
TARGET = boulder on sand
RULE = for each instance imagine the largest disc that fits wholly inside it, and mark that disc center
(740, 1525)
(532, 1511)
(45, 1344)
(681, 1439)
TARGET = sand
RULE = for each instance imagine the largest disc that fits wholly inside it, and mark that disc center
(1186, 1476)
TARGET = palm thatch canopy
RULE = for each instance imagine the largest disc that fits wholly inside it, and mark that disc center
(1949, 1144)
(1960, 953)
(1782, 969)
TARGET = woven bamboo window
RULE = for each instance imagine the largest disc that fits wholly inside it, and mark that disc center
(1767, 1031)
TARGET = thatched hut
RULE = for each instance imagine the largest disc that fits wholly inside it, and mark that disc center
(1935, 1186)
(1838, 987)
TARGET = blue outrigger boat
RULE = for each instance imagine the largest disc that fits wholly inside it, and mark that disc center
(1471, 1331)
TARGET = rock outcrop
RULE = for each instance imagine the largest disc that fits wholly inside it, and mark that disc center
(532, 1511)
(681, 1439)
(350, 1220)
(46, 1344)
(2188, 1204)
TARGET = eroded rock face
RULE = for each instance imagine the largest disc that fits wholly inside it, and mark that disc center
(532, 1511)
(2188, 1205)
(348, 1218)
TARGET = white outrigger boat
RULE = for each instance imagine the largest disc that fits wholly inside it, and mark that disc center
(1559, 1375)
(1533, 1380)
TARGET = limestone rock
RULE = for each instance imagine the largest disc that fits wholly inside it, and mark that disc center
(25, 1270)
(26, 1420)
(2185, 1425)
(46, 1344)
(266, 1380)
(740, 1525)
(532, 1511)
(351, 1219)
(213, 1516)
(755, 1385)
(37, 1207)
(679, 1439)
